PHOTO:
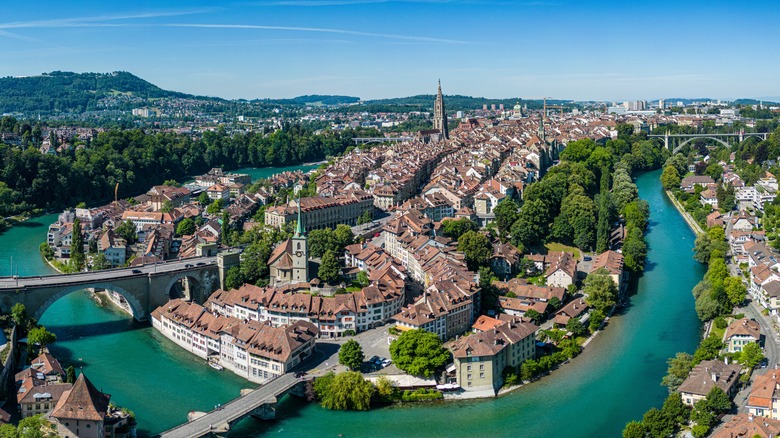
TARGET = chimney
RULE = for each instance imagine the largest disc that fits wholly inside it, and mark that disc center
(750, 417)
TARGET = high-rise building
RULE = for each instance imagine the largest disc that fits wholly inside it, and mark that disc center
(662, 104)
(440, 115)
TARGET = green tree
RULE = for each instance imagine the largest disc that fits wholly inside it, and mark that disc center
(714, 170)
(596, 318)
(203, 199)
(506, 214)
(751, 355)
(418, 352)
(624, 190)
(634, 249)
(675, 409)
(19, 314)
(330, 270)
(534, 316)
(322, 384)
(456, 228)
(40, 336)
(677, 371)
(100, 262)
(126, 230)
(735, 290)
(600, 290)
(707, 308)
(670, 178)
(70, 372)
(167, 207)
(186, 227)
(532, 224)
(366, 217)
(576, 327)
(351, 355)
(348, 391)
(634, 429)
(477, 249)
(385, 388)
(343, 237)
(657, 424)
(362, 279)
(234, 279)
(215, 207)
(77, 256)
(717, 401)
(708, 349)
(224, 231)
(254, 260)
(727, 199)
(578, 151)
(172, 183)
(321, 241)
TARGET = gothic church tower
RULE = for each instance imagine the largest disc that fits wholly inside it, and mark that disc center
(440, 115)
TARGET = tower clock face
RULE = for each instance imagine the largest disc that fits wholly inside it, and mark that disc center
(298, 253)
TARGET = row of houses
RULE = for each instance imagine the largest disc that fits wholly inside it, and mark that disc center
(257, 351)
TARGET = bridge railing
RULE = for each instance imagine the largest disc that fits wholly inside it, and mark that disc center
(122, 269)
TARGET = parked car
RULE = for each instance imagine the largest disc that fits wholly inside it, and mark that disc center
(136, 271)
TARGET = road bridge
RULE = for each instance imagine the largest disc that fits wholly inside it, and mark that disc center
(260, 403)
(682, 140)
(143, 287)
(364, 140)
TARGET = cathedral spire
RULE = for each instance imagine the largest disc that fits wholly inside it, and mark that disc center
(440, 115)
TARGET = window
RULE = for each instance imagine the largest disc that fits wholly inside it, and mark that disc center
(481, 375)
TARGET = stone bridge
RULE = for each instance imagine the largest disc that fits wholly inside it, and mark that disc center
(144, 287)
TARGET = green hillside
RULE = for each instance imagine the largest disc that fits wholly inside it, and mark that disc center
(72, 92)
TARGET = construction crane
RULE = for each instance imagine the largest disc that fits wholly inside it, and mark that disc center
(116, 194)
(559, 107)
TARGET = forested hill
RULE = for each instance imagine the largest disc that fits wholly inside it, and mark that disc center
(73, 92)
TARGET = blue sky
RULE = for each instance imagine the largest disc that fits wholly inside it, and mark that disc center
(611, 50)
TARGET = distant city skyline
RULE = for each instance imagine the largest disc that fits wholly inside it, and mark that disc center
(606, 50)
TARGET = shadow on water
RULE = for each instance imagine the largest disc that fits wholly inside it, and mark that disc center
(103, 328)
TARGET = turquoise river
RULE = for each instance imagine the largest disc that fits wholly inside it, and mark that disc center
(614, 381)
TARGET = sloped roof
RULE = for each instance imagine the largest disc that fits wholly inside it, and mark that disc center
(82, 402)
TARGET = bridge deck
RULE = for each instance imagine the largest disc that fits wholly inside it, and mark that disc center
(235, 409)
(172, 266)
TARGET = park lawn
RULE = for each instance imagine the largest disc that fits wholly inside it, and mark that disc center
(552, 246)
(717, 331)
(353, 289)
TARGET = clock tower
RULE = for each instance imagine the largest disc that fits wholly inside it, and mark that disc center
(300, 251)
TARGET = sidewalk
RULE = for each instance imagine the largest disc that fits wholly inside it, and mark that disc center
(695, 227)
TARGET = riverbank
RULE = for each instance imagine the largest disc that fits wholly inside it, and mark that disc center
(695, 227)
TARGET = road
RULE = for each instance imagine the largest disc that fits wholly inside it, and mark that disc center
(93, 276)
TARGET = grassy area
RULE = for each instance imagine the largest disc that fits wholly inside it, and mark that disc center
(353, 289)
(539, 280)
(561, 247)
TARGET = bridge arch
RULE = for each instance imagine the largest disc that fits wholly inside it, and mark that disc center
(683, 144)
(139, 312)
(194, 295)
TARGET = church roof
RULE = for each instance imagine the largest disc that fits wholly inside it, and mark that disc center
(82, 402)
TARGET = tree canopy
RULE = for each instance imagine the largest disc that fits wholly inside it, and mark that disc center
(418, 352)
